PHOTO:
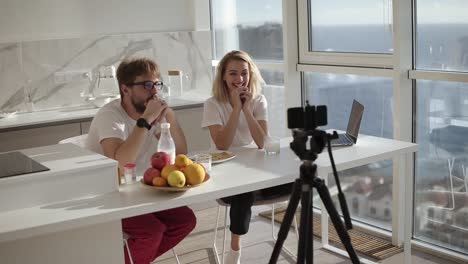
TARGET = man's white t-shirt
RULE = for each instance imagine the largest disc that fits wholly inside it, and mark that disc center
(112, 121)
(217, 113)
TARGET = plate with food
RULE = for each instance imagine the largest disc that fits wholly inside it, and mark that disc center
(184, 188)
(221, 156)
(217, 156)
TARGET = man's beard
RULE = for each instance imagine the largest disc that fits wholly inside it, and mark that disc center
(139, 106)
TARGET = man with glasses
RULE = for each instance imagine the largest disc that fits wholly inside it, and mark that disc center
(127, 130)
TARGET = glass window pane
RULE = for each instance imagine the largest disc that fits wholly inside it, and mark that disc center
(274, 93)
(363, 26)
(441, 189)
(252, 26)
(442, 35)
(368, 189)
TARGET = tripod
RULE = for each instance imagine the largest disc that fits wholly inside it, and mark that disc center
(302, 190)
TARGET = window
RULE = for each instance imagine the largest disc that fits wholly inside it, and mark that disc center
(441, 122)
(251, 26)
(256, 28)
(350, 27)
(337, 92)
(441, 165)
(349, 50)
(339, 42)
(441, 35)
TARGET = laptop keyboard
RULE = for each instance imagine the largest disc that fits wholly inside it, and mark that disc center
(342, 140)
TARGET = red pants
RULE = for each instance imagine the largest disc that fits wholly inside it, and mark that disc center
(153, 234)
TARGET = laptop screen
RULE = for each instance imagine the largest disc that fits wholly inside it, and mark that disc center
(355, 118)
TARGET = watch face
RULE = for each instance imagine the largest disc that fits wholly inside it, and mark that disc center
(141, 122)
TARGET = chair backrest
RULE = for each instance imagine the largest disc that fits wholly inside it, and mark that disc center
(78, 140)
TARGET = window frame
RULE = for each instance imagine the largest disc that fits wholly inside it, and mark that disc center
(384, 61)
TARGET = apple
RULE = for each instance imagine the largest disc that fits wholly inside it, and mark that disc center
(160, 159)
(176, 179)
(150, 174)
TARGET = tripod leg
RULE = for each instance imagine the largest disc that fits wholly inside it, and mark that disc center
(304, 244)
(336, 220)
(287, 220)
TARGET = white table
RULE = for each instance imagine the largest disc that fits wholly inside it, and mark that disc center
(249, 171)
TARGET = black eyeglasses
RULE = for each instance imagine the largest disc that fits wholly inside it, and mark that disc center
(149, 85)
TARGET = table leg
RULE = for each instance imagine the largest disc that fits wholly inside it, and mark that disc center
(408, 207)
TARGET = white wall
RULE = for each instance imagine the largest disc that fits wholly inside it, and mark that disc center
(25, 20)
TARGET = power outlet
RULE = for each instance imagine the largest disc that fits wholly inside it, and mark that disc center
(62, 77)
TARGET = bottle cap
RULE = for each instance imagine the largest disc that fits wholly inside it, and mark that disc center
(129, 165)
(174, 72)
(165, 125)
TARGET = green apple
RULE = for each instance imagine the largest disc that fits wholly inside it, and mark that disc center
(176, 179)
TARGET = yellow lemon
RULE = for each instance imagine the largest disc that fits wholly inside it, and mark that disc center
(182, 161)
(195, 173)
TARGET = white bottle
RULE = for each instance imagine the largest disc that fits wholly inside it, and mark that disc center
(166, 143)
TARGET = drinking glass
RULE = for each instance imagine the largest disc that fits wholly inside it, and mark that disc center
(204, 160)
(272, 145)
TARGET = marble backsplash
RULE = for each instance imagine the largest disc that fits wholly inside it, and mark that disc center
(51, 74)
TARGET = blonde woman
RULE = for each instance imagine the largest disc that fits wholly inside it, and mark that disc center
(236, 115)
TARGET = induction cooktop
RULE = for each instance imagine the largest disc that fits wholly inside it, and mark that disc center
(16, 163)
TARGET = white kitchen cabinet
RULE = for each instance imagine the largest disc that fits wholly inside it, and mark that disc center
(37, 137)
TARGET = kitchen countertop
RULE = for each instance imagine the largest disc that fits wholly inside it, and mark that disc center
(83, 113)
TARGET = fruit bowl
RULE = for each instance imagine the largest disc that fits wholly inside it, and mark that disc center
(176, 189)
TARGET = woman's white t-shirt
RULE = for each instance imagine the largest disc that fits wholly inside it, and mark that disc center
(217, 113)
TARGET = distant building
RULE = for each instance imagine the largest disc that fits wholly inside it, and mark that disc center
(357, 196)
(380, 202)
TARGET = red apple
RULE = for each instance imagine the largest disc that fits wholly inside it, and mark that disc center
(151, 173)
(160, 159)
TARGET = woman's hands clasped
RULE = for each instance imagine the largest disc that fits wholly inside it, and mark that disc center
(240, 98)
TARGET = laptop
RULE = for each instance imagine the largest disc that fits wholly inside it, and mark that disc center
(354, 123)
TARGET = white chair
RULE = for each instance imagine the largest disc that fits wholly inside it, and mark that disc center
(271, 202)
(77, 140)
(81, 142)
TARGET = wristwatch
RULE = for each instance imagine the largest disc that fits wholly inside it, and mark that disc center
(141, 122)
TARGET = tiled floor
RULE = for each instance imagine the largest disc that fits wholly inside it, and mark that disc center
(258, 245)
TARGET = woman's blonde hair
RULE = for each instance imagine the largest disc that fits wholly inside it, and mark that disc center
(220, 90)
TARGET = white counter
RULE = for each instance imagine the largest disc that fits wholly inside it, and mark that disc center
(74, 173)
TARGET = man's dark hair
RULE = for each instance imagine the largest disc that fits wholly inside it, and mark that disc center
(130, 68)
